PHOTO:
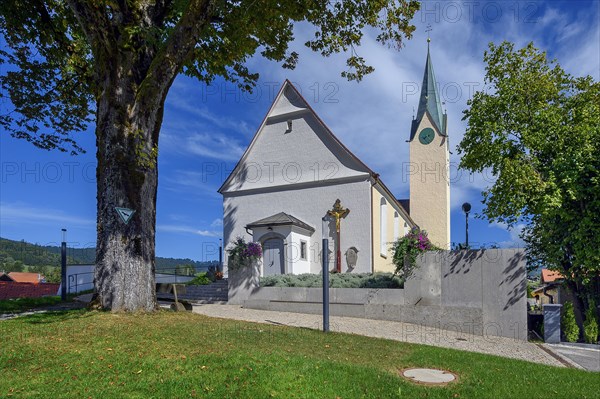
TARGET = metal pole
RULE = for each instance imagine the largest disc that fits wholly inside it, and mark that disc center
(325, 260)
(467, 231)
(325, 284)
(63, 266)
(220, 267)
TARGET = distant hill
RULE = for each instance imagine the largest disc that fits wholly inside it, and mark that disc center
(22, 253)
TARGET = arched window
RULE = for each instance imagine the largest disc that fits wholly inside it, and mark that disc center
(396, 225)
(383, 225)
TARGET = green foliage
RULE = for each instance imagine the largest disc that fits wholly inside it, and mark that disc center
(243, 254)
(590, 325)
(568, 323)
(200, 279)
(406, 249)
(336, 280)
(537, 130)
(61, 52)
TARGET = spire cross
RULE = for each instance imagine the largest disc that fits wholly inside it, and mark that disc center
(428, 29)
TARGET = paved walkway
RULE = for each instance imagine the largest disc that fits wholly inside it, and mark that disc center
(404, 332)
(584, 356)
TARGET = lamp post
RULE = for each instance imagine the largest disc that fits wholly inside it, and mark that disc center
(466, 207)
(325, 259)
(220, 267)
(63, 266)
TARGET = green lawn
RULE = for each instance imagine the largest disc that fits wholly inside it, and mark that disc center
(81, 354)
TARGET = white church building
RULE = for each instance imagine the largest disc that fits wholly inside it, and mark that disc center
(295, 169)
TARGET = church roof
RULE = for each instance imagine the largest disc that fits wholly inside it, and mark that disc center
(429, 101)
(280, 219)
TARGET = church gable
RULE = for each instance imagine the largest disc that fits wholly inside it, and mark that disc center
(293, 146)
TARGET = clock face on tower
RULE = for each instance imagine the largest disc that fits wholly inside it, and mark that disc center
(426, 136)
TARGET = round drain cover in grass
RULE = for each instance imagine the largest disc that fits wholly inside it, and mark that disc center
(429, 376)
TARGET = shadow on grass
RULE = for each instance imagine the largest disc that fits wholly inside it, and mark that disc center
(56, 316)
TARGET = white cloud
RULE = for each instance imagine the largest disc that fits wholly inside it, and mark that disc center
(515, 240)
(217, 223)
(187, 230)
(210, 145)
(195, 183)
(19, 213)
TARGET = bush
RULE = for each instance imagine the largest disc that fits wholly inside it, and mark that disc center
(243, 254)
(569, 324)
(590, 326)
(406, 250)
(336, 280)
(200, 279)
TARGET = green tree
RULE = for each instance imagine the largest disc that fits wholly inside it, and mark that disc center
(71, 62)
(590, 325)
(568, 323)
(537, 129)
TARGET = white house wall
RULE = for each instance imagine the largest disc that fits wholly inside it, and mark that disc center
(308, 204)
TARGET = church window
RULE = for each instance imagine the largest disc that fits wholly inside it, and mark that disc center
(383, 226)
(303, 250)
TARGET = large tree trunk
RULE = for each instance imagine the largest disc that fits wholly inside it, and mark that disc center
(127, 177)
(134, 72)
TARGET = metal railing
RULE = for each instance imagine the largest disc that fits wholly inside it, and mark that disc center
(75, 284)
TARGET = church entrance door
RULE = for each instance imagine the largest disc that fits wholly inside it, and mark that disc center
(273, 262)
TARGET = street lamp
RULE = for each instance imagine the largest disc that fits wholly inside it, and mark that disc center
(63, 266)
(325, 259)
(466, 207)
(220, 266)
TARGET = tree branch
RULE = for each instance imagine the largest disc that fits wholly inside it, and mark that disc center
(95, 25)
(177, 49)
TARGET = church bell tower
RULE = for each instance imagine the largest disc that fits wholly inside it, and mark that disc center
(430, 163)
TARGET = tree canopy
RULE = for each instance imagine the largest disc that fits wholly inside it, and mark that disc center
(537, 129)
(58, 55)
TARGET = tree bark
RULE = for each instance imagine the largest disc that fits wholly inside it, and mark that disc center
(127, 176)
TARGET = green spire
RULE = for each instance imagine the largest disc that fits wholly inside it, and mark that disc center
(430, 100)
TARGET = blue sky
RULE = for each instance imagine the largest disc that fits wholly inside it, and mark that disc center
(206, 129)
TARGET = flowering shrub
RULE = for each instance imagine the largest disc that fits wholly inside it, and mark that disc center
(407, 248)
(243, 254)
(253, 250)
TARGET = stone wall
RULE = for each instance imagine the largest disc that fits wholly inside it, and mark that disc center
(479, 292)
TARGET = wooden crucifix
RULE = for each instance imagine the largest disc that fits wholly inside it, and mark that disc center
(339, 213)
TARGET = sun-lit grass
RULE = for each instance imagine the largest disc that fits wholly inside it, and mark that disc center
(81, 354)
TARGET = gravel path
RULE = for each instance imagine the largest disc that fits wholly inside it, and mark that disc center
(404, 332)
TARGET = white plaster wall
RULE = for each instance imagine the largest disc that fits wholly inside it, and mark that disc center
(309, 205)
(306, 154)
(300, 266)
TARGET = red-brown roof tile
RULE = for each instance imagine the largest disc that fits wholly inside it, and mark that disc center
(549, 276)
(20, 277)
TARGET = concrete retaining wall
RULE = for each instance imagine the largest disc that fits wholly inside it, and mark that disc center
(480, 292)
